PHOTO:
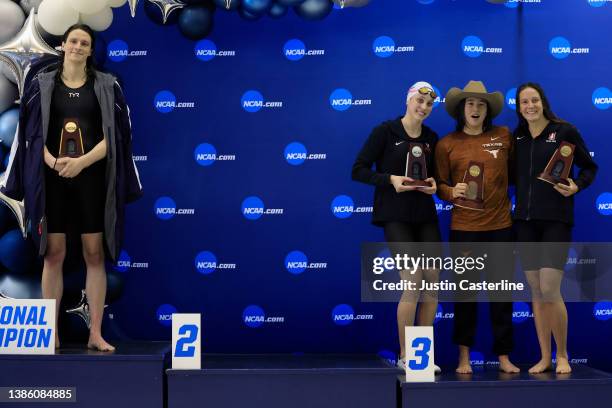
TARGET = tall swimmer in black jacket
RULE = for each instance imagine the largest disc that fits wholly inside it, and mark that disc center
(545, 213)
(406, 213)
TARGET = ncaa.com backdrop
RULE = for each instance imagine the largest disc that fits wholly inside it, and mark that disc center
(245, 142)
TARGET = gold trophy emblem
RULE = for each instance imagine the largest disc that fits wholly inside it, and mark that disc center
(71, 139)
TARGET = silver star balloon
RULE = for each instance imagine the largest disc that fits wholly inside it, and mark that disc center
(167, 7)
(3, 296)
(82, 309)
(20, 52)
(18, 211)
(133, 5)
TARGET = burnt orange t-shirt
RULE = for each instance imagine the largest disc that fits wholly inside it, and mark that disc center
(494, 149)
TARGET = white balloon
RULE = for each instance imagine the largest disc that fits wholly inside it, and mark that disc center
(116, 3)
(11, 19)
(8, 74)
(8, 94)
(28, 5)
(99, 21)
(87, 6)
(55, 16)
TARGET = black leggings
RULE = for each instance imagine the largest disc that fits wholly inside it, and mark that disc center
(466, 313)
(398, 231)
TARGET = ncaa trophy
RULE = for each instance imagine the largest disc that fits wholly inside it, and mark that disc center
(71, 140)
(474, 196)
(416, 166)
(558, 167)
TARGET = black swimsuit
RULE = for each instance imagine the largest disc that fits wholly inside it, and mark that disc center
(75, 205)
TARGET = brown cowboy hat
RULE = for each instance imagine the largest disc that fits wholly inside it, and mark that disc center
(474, 89)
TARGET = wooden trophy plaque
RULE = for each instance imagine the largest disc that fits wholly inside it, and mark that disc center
(71, 140)
(558, 168)
(416, 166)
(474, 196)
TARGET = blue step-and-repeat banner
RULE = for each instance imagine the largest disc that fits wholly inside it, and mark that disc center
(245, 142)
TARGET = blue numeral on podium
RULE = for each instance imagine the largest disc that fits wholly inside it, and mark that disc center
(190, 332)
(423, 353)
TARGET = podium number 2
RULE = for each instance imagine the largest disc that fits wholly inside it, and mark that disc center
(190, 331)
(422, 345)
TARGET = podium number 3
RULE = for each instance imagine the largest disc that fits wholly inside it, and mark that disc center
(422, 345)
(190, 331)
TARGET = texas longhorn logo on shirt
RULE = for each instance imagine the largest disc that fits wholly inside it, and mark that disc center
(492, 148)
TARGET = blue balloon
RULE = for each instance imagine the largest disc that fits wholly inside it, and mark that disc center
(8, 126)
(114, 286)
(248, 15)
(223, 4)
(277, 10)
(20, 287)
(16, 253)
(290, 2)
(256, 6)
(314, 9)
(3, 155)
(195, 22)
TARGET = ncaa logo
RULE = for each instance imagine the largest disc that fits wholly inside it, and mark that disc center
(253, 316)
(164, 208)
(252, 208)
(341, 99)
(603, 310)
(117, 50)
(383, 46)
(438, 97)
(296, 262)
(342, 206)
(123, 263)
(476, 358)
(511, 98)
(164, 314)
(472, 46)
(559, 47)
(205, 50)
(205, 154)
(597, 3)
(520, 312)
(604, 204)
(206, 262)
(342, 315)
(294, 50)
(602, 98)
(295, 153)
(439, 314)
(252, 101)
(164, 101)
(388, 355)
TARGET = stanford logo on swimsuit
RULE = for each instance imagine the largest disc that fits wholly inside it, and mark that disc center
(552, 137)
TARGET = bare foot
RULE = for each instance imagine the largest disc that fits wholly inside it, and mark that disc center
(464, 367)
(507, 367)
(541, 366)
(563, 366)
(99, 344)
